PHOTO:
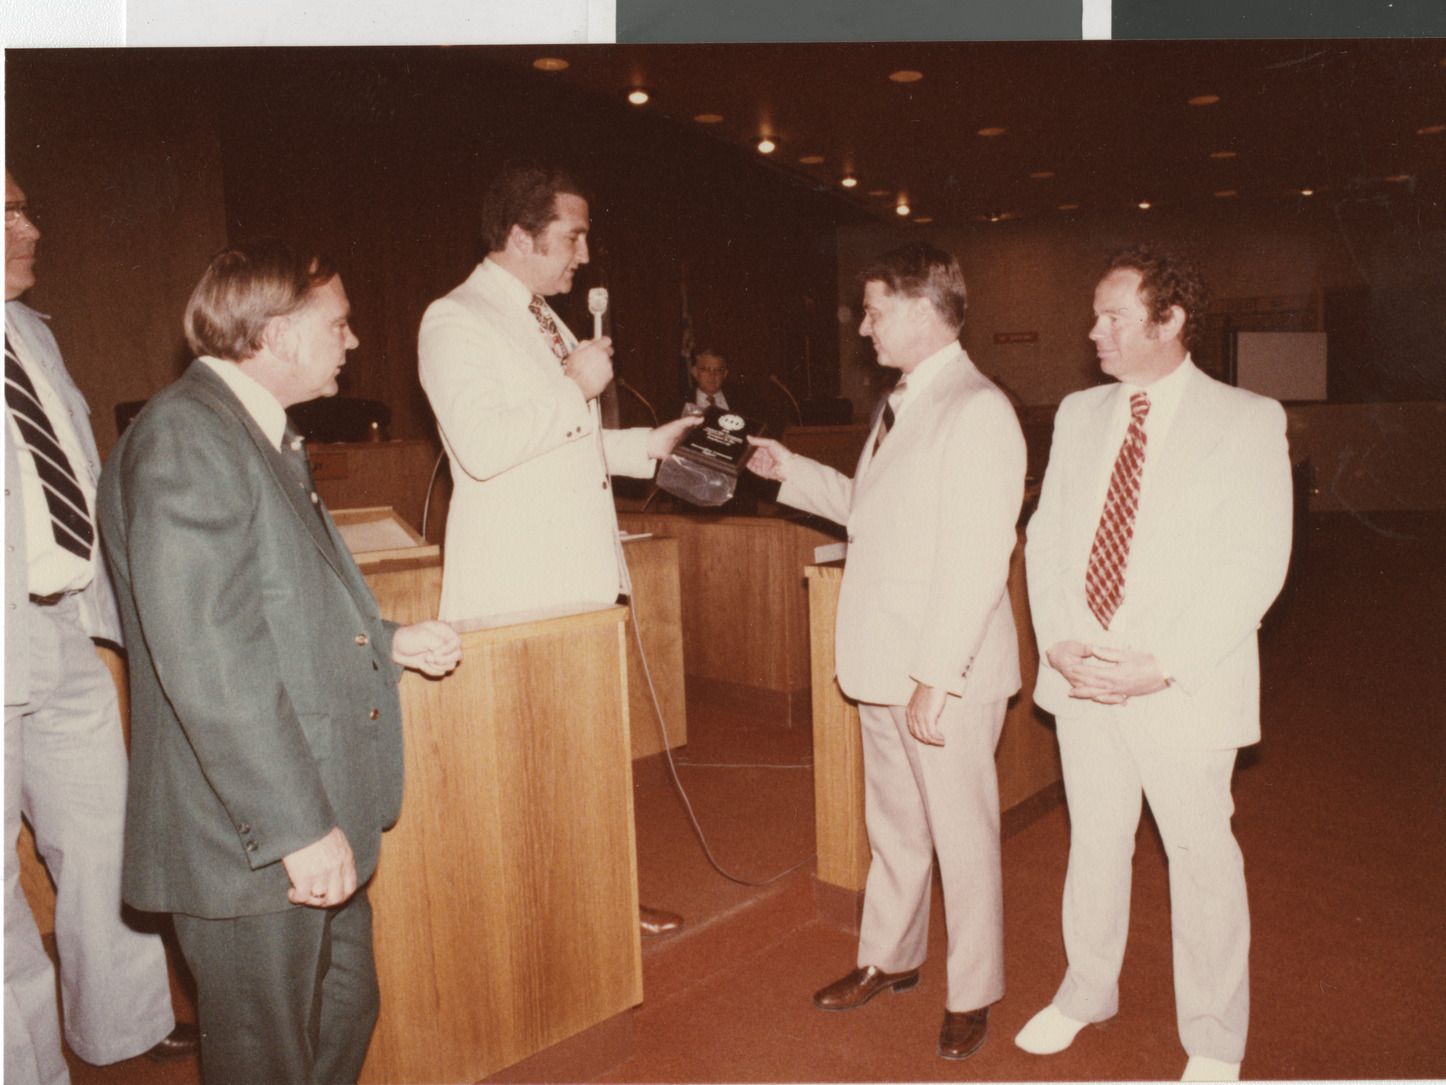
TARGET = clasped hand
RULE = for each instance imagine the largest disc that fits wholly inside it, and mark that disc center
(1106, 675)
(431, 647)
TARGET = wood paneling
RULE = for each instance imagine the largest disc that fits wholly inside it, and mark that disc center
(506, 895)
(657, 619)
(393, 473)
(745, 607)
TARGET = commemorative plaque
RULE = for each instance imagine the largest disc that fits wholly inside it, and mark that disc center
(704, 468)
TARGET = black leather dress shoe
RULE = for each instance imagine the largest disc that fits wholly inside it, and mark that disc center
(184, 1042)
(862, 984)
(654, 922)
(963, 1033)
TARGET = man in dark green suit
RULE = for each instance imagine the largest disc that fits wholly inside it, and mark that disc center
(266, 753)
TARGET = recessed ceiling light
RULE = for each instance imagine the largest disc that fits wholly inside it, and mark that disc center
(708, 118)
(849, 182)
(549, 64)
(1042, 175)
(1307, 192)
(906, 75)
(1431, 130)
(1227, 192)
(638, 96)
(991, 131)
(1399, 177)
(924, 220)
(1143, 205)
(1069, 207)
(766, 146)
(1205, 99)
(902, 210)
(879, 192)
(811, 159)
(1223, 154)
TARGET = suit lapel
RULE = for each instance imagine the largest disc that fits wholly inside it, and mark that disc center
(316, 527)
(1194, 431)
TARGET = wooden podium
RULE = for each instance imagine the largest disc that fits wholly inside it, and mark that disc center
(506, 897)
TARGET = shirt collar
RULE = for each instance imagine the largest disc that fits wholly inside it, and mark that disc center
(925, 372)
(1164, 396)
(509, 284)
(264, 408)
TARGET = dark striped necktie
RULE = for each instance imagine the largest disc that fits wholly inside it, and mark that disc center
(69, 513)
(886, 423)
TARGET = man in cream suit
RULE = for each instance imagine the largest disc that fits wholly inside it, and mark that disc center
(267, 730)
(926, 641)
(532, 524)
(1162, 535)
(65, 759)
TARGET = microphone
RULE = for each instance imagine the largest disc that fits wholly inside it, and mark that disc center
(789, 394)
(597, 305)
(624, 385)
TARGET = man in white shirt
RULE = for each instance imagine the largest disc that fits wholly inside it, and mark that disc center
(65, 759)
(532, 524)
(926, 641)
(1161, 538)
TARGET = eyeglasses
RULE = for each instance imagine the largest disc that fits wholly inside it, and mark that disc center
(14, 212)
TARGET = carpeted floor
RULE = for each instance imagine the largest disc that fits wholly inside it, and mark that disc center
(1341, 812)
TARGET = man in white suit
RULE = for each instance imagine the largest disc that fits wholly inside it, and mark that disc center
(926, 641)
(532, 524)
(1162, 535)
(65, 759)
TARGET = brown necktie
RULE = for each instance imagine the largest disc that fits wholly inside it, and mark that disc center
(886, 423)
(549, 326)
(1105, 576)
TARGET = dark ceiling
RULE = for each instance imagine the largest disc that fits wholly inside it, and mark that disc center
(1110, 121)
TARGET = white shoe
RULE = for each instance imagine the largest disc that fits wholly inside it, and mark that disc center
(1199, 1068)
(1048, 1032)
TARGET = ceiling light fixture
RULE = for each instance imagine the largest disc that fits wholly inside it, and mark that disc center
(708, 118)
(1143, 205)
(924, 220)
(1069, 207)
(879, 192)
(1431, 130)
(1042, 175)
(766, 146)
(1223, 154)
(638, 96)
(1227, 192)
(902, 210)
(906, 75)
(992, 131)
(1205, 99)
(849, 181)
(1307, 192)
(811, 160)
(549, 64)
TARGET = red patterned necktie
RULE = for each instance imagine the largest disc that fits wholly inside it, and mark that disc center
(548, 326)
(1105, 577)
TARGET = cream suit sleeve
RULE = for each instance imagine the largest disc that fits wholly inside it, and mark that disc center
(979, 487)
(818, 489)
(1043, 550)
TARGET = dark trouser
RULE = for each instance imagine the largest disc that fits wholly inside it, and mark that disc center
(287, 998)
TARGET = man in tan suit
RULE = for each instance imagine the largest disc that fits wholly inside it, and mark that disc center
(1162, 535)
(925, 641)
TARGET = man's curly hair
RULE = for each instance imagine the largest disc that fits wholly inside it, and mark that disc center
(1166, 280)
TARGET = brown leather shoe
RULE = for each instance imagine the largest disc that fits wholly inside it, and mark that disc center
(184, 1042)
(862, 984)
(654, 922)
(963, 1033)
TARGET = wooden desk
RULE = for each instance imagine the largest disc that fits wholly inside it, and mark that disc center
(657, 618)
(506, 897)
(745, 609)
(1027, 758)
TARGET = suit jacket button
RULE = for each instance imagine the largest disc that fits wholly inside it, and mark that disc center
(361, 638)
(373, 714)
(251, 845)
(243, 828)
